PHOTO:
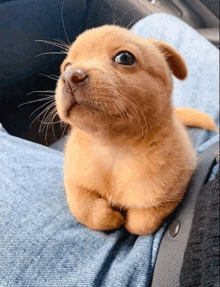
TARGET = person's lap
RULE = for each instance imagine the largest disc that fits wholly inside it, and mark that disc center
(41, 244)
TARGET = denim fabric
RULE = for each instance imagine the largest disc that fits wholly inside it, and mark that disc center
(41, 244)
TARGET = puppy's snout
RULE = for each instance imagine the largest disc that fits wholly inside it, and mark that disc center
(78, 76)
(75, 76)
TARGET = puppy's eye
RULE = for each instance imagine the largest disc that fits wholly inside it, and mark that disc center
(125, 58)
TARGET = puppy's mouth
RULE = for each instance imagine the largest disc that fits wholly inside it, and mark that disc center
(84, 104)
(76, 98)
(71, 108)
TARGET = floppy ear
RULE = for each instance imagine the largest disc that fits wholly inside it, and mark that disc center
(174, 60)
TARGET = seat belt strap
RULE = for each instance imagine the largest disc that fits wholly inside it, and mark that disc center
(173, 245)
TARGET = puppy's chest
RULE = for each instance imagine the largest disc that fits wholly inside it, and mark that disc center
(119, 177)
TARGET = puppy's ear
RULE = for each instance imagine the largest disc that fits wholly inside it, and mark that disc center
(174, 60)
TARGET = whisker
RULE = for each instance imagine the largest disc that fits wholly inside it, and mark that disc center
(130, 86)
(136, 116)
(48, 91)
(42, 126)
(48, 119)
(50, 53)
(55, 44)
(63, 43)
(46, 114)
(138, 17)
(116, 105)
(163, 118)
(109, 2)
(135, 109)
(139, 109)
(135, 106)
(64, 127)
(51, 123)
(116, 3)
(48, 122)
(64, 25)
(121, 85)
(38, 100)
(41, 107)
(122, 112)
(53, 77)
(123, 16)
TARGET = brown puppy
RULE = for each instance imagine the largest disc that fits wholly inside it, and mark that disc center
(127, 149)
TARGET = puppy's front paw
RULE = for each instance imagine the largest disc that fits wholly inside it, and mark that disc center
(97, 214)
(141, 221)
(104, 217)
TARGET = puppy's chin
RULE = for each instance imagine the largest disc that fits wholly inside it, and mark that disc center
(94, 119)
(79, 110)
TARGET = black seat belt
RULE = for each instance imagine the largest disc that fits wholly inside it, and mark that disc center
(173, 245)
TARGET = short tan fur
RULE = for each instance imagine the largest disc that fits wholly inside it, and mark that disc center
(128, 149)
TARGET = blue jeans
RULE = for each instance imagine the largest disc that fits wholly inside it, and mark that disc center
(41, 244)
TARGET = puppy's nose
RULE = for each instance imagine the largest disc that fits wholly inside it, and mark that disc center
(77, 76)
(74, 76)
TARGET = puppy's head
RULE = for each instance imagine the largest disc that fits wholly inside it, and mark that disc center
(113, 80)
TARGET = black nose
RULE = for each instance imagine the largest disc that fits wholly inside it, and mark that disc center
(75, 76)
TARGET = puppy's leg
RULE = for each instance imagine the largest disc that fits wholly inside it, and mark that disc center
(91, 210)
(146, 221)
